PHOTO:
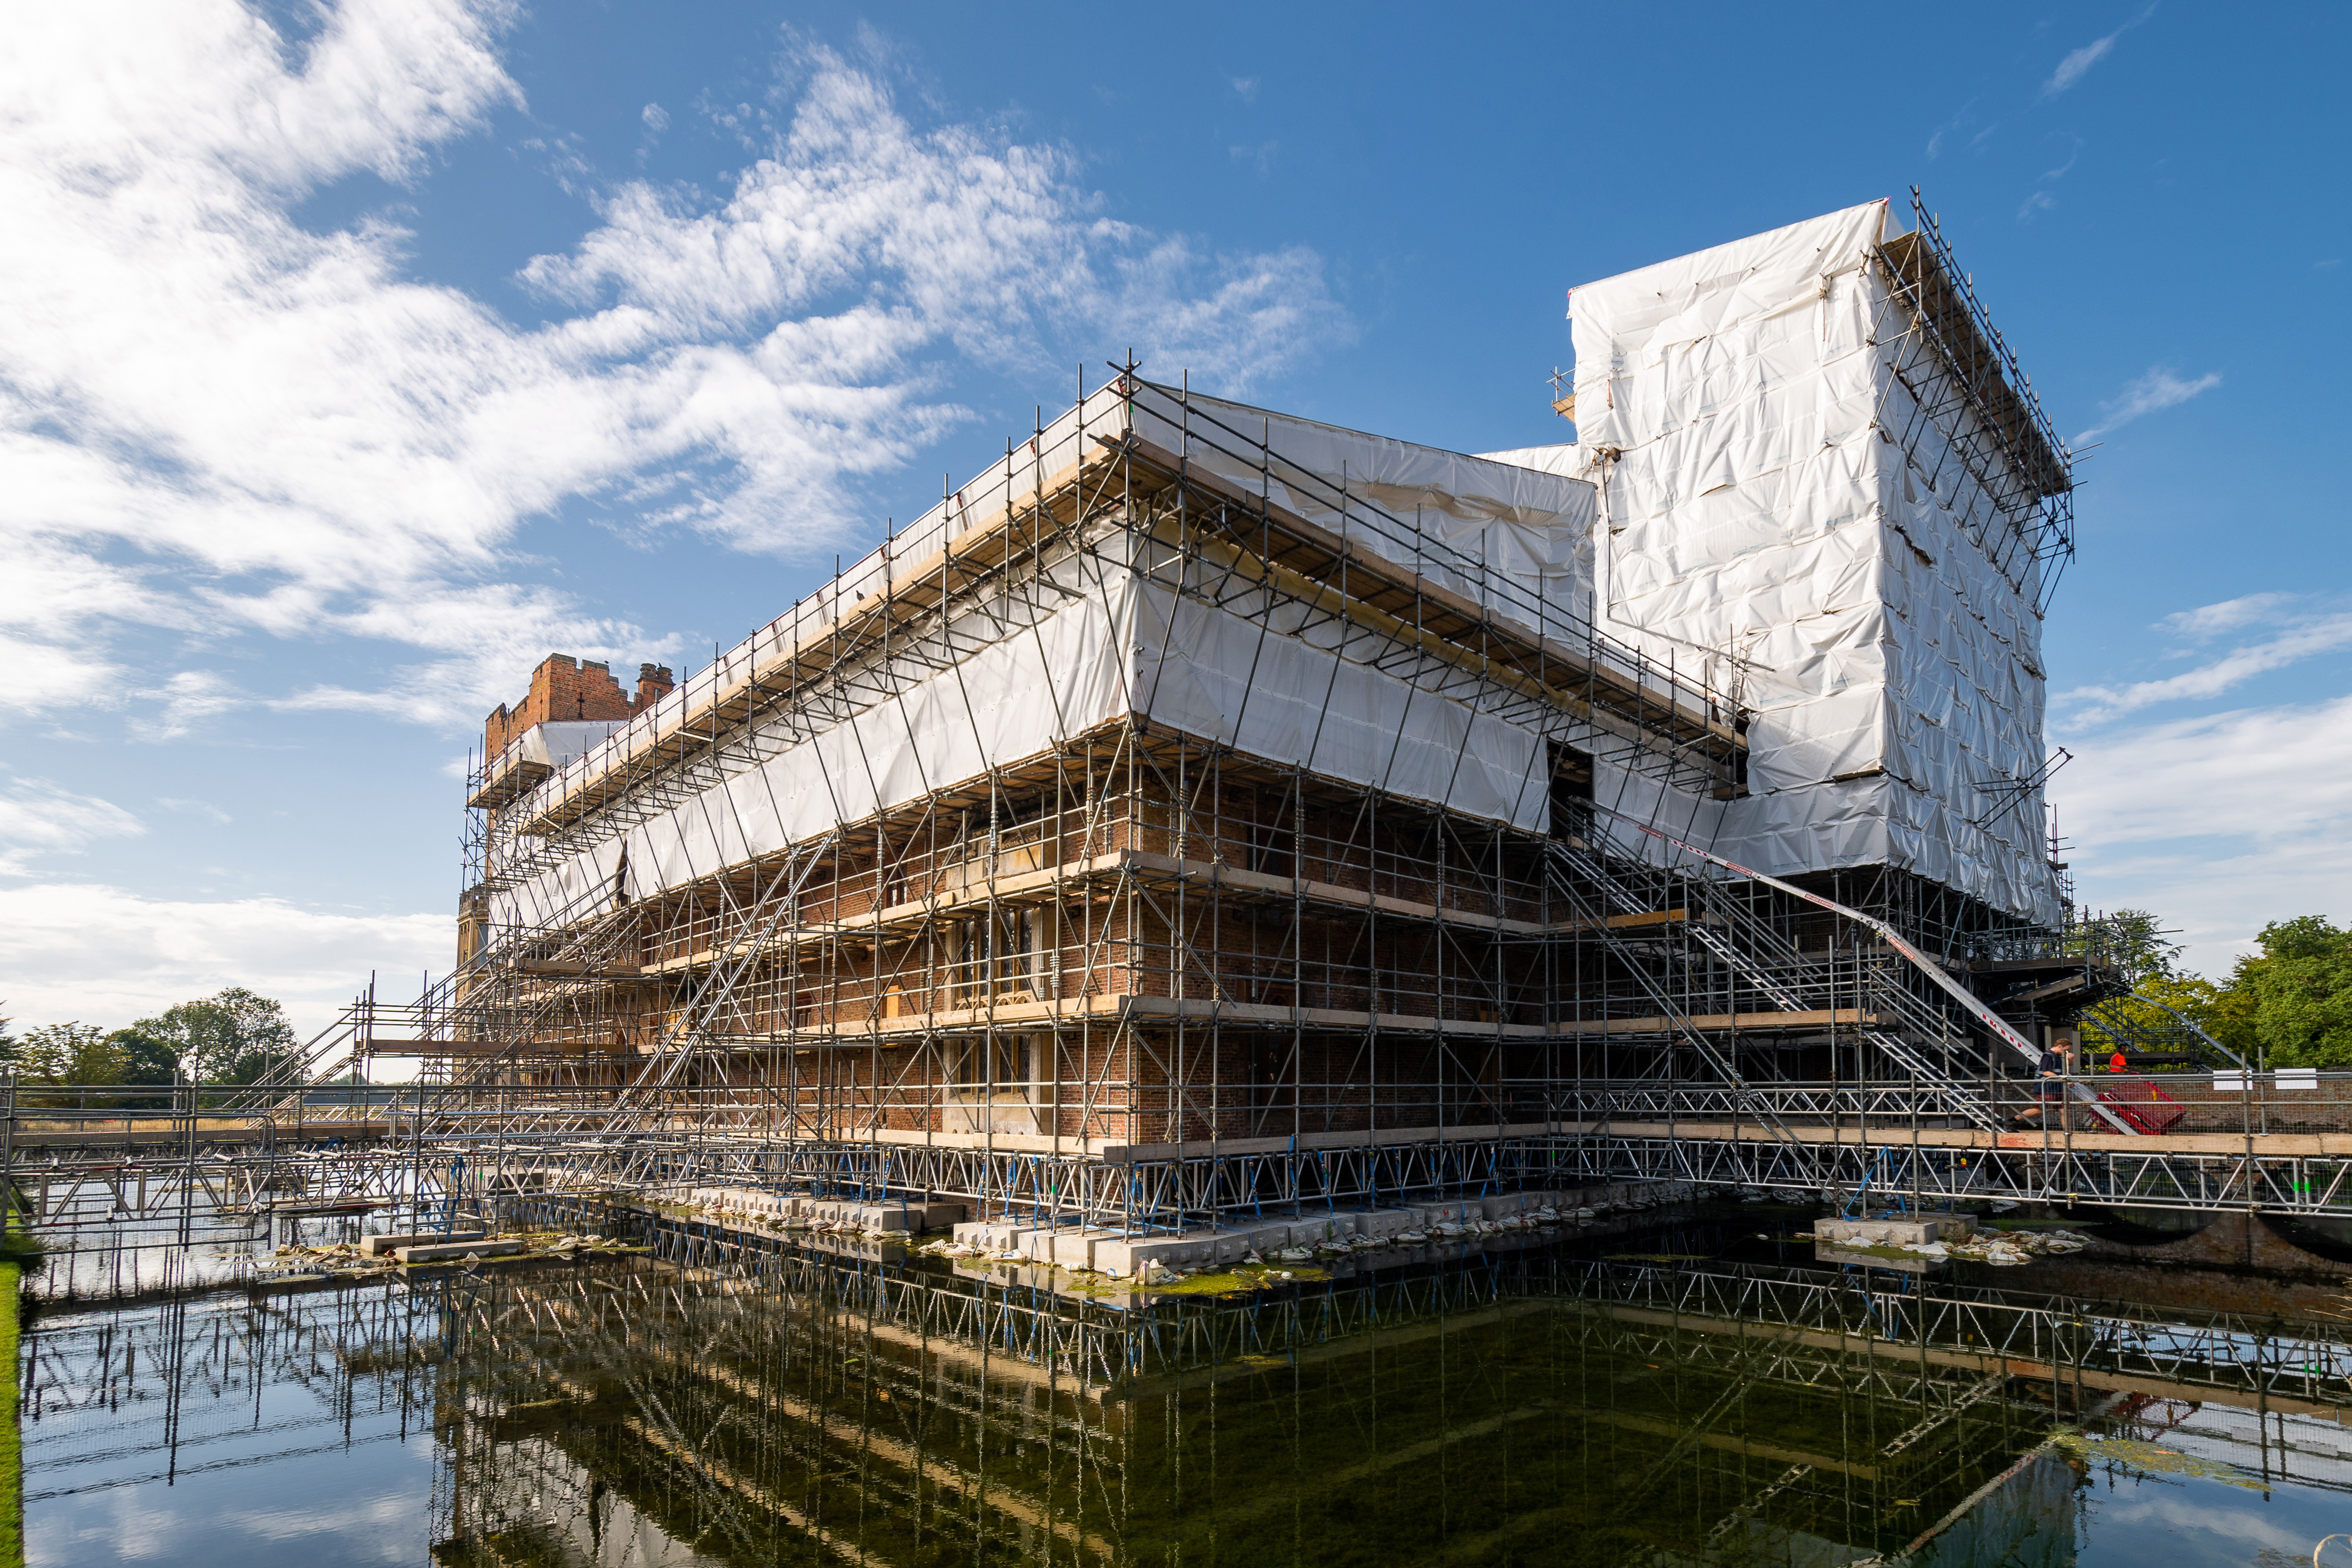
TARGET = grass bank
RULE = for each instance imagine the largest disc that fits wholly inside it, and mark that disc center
(17, 1250)
(11, 1457)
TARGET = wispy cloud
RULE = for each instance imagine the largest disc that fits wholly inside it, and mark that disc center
(2212, 620)
(219, 422)
(39, 818)
(2160, 387)
(1960, 124)
(2220, 823)
(2077, 64)
(2043, 199)
(1245, 87)
(2295, 637)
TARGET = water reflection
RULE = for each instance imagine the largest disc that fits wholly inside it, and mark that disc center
(1554, 1403)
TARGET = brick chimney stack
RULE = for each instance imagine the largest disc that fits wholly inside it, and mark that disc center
(654, 683)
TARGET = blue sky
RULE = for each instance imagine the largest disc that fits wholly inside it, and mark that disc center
(361, 355)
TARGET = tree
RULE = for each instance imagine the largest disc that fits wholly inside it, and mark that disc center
(2294, 997)
(63, 1054)
(2137, 942)
(147, 1059)
(235, 1037)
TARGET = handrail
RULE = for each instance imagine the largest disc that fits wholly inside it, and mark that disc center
(2178, 1017)
(1968, 1000)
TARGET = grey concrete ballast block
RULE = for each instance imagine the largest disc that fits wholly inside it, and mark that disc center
(1916, 1230)
(377, 1246)
(457, 1251)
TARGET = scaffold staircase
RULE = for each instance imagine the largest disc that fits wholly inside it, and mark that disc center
(1713, 953)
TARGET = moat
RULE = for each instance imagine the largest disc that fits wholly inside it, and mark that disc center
(1688, 1385)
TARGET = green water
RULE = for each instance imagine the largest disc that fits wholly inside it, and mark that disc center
(1556, 1403)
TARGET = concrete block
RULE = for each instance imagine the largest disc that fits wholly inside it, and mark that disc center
(377, 1246)
(991, 1235)
(454, 1251)
(1226, 1246)
(853, 1215)
(1075, 1249)
(740, 1199)
(940, 1216)
(1130, 1256)
(1383, 1223)
(1916, 1231)
(1504, 1204)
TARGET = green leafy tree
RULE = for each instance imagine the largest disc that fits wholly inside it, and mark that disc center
(2136, 943)
(148, 1060)
(232, 1038)
(2294, 997)
(70, 1053)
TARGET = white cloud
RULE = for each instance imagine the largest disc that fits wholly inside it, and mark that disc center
(39, 817)
(655, 117)
(2212, 620)
(221, 423)
(493, 630)
(105, 955)
(2077, 64)
(2159, 389)
(188, 698)
(2298, 640)
(2220, 823)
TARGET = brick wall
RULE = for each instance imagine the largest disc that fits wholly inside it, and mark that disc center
(564, 688)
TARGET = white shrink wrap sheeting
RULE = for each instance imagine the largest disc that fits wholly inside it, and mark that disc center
(560, 741)
(1757, 521)
(1509, 538)
(1252, 685)
(1731, 506)
(1010, 700)
(1523, 540)
(1140, 648)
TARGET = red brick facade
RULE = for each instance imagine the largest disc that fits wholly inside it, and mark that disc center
(563, 688)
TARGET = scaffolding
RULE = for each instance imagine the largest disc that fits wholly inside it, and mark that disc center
(1203, 810)
(1066, 979)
